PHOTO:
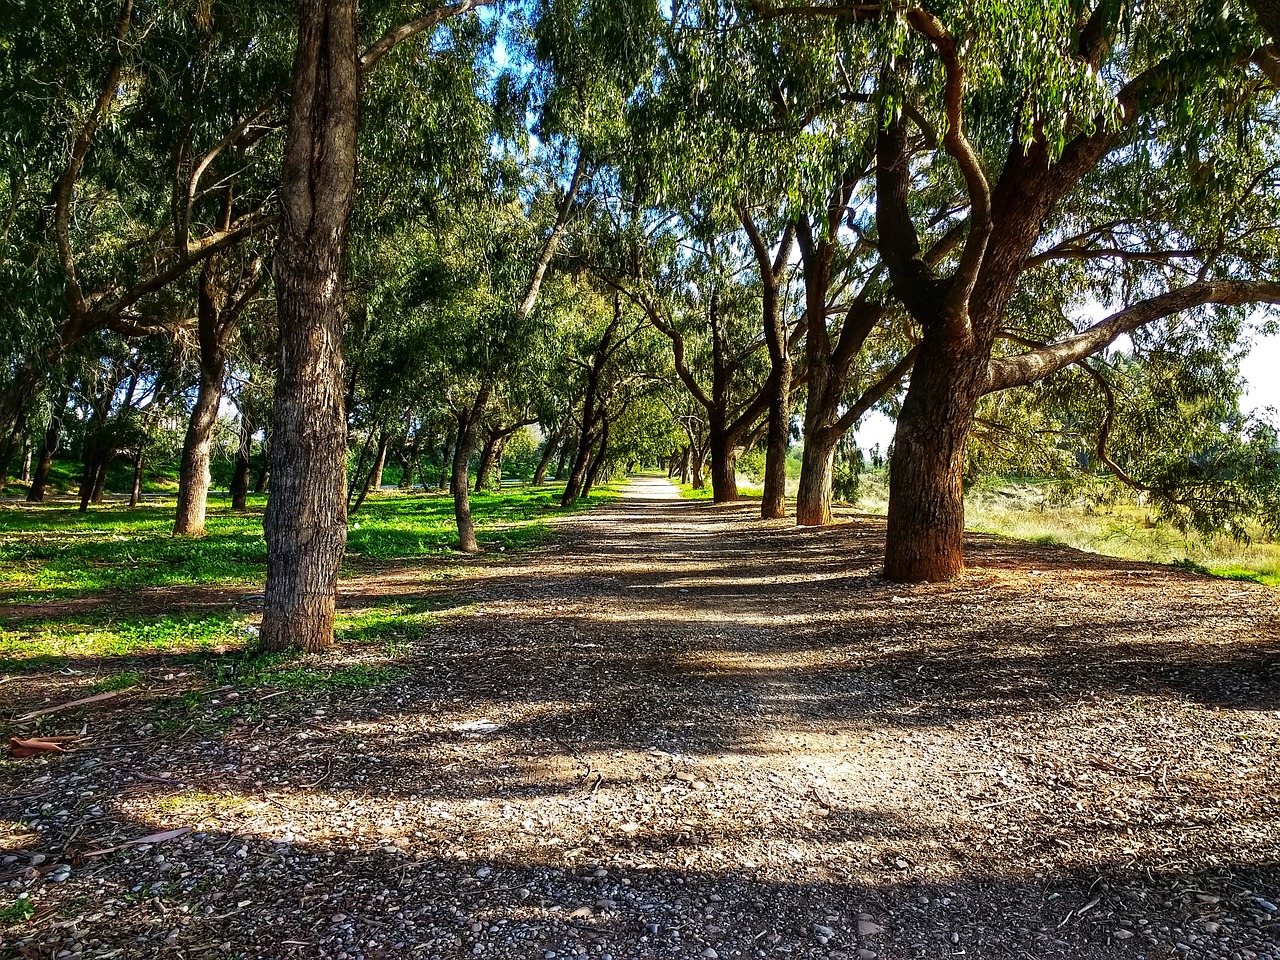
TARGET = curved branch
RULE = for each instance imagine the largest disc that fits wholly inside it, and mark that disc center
(369, 59)
(1026, 368)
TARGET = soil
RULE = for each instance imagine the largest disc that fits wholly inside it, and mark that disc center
(677, 731)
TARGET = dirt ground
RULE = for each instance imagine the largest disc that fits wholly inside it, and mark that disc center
(677, 731)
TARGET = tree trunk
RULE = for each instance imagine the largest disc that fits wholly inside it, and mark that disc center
(724, 466)
(773, 504)
(578, 474)
(564, 458)
(460, 481)
(488, 454)
(52, 436)
(813, 498)
(25, 473)
(446, 458)
(411, 462)
(136, 495)
(697, 479)
(593, 472)
(926, 494)
(306, 519)
(379, 464)
(193, 474)
(373, 479)
(549, 451)
(240, 476)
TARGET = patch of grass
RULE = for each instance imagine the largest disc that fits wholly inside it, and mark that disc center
(123, 680)
(20, 911)
(54, 552)
(1030, 511)
(53, 644)
(358, 676)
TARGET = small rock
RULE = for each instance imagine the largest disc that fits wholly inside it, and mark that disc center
(711, 954)
(484, 872)
(36, 859)
(1266, 905)
(823, 933)
(1122, 934)
(338, 917)
(863, 954)
(867, 928)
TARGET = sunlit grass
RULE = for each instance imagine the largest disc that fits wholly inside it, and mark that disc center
(50, 552)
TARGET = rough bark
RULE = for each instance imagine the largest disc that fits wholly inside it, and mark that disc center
(306, 518)
(813, 496)
(925, 540)
(724, 466)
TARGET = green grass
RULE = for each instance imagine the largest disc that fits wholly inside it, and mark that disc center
(20, 911)
(53, 552)
(1126, 530)
(124, 680)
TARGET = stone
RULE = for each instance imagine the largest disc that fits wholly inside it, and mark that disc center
(868, 928)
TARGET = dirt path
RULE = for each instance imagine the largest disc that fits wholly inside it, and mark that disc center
(679, 732)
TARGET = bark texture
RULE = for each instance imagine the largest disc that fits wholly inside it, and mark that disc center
(306, 518)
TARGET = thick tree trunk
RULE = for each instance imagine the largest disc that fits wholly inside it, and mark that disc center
(306, 518)
(544, 462)
(460, 481)
(724, 467)
(813, 498)
(52, 436)
(240, 475)
(136, 495)
(926, 494)
(193, 473)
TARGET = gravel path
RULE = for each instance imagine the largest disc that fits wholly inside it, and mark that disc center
(678, 732)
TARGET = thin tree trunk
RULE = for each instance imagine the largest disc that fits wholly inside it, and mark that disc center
(548, 452)
(373, 479)
(136, 496)
(193, 474)
(306, 519)
(597, 462)
(411, 462)
(52, 437)
(446, 458)
(240, 476)
(563, 462)
(698, 481)
(25, 474)
(488, 453)
(460, 481)
(379, 464)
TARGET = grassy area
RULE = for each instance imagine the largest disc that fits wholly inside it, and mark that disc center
(1032, 512)
(54, 552)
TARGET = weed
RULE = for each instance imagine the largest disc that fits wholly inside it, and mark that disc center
(20, 911)
(118, 681)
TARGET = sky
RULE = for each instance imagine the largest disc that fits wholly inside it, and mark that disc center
(1260, 370)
